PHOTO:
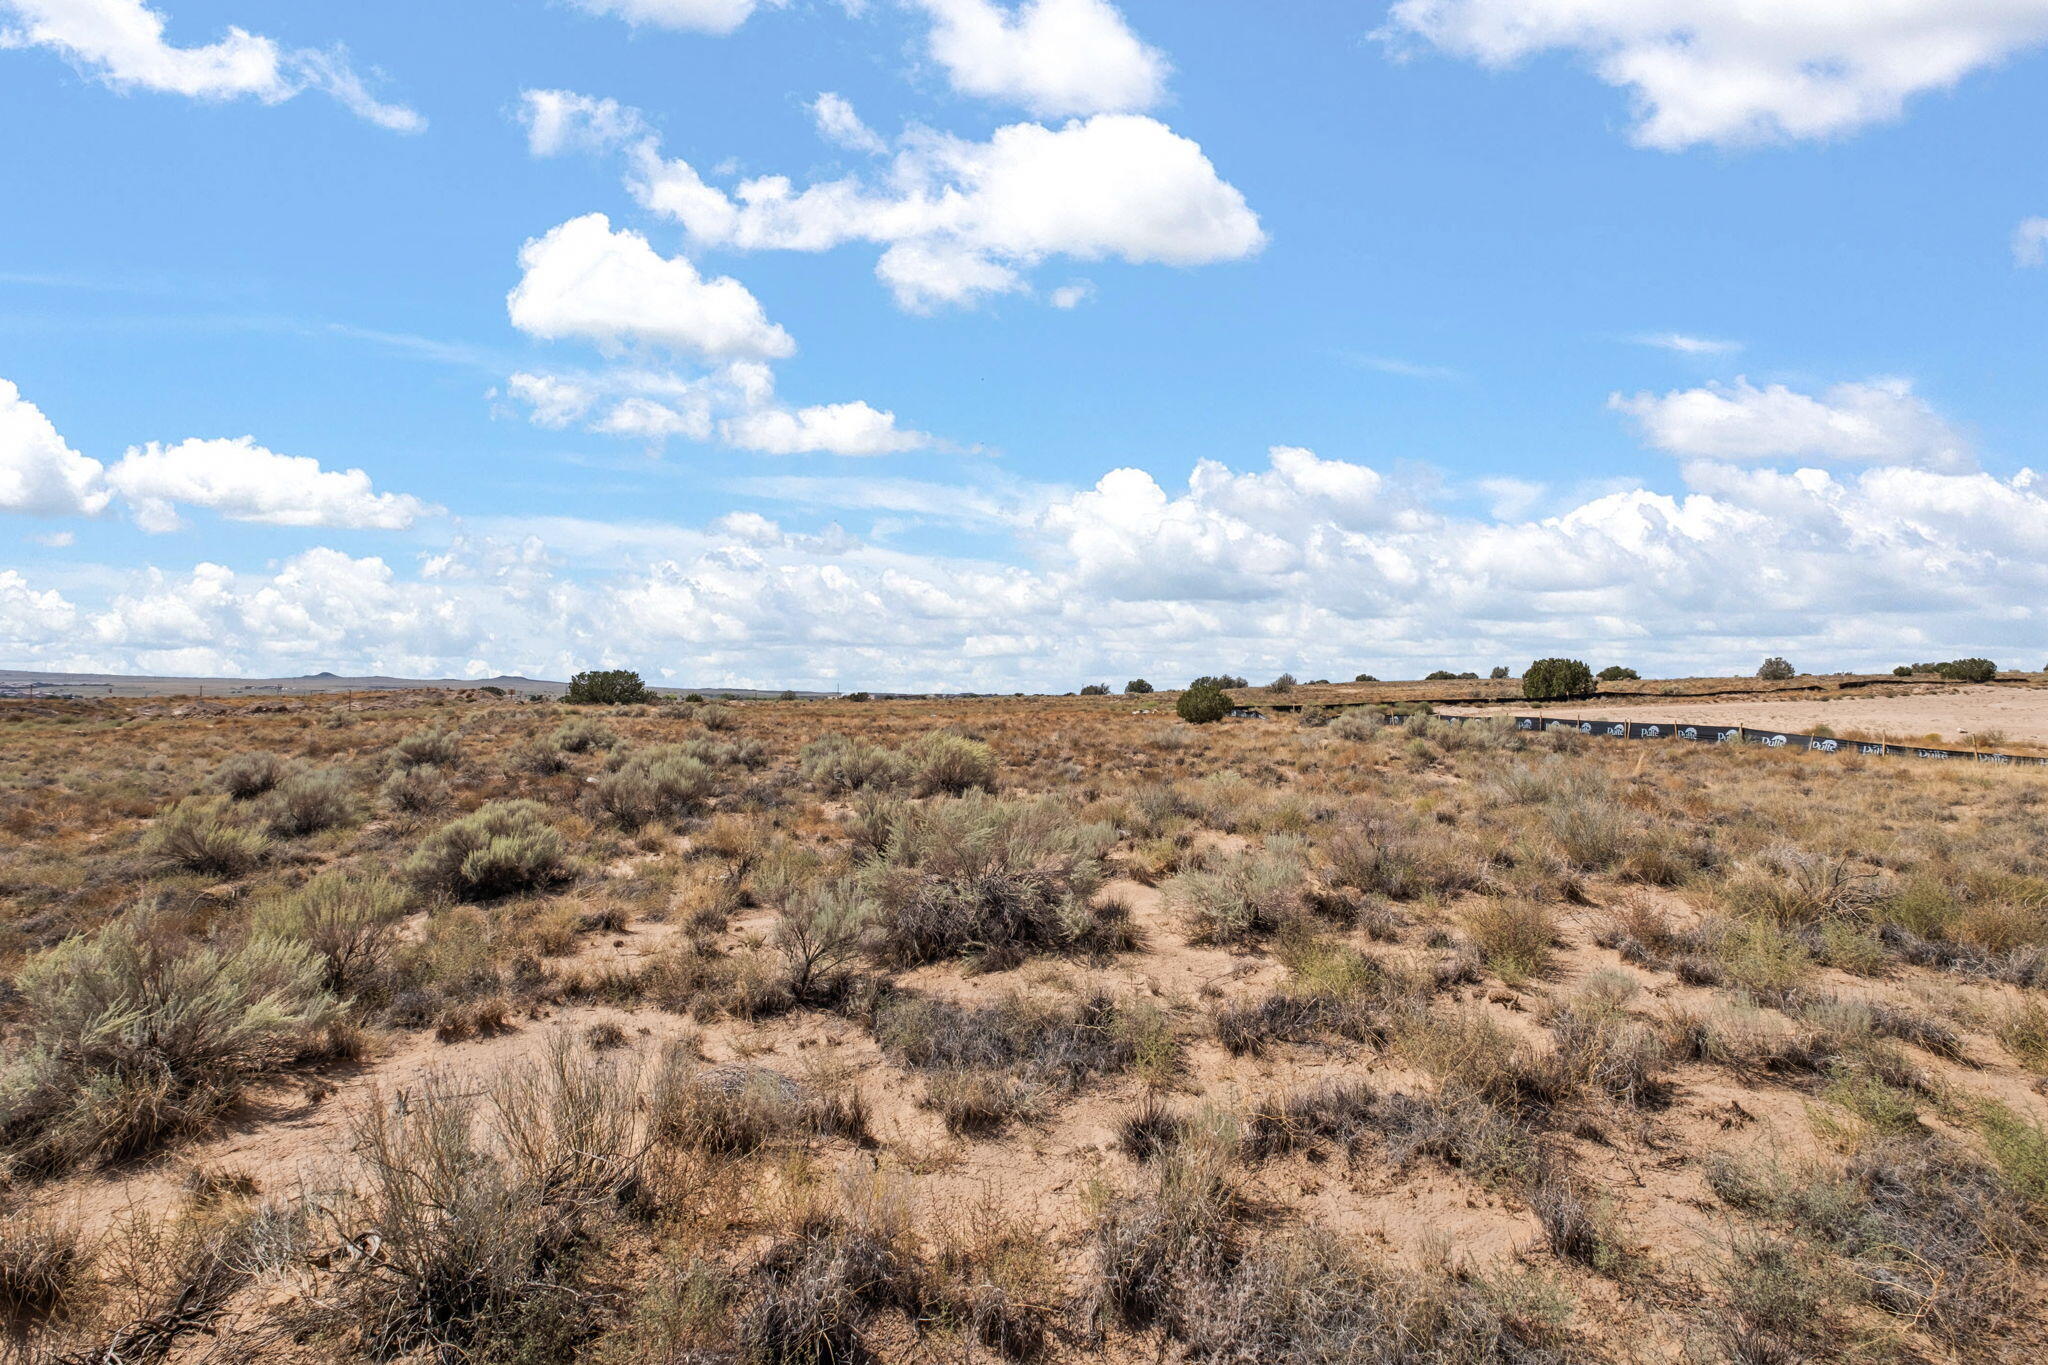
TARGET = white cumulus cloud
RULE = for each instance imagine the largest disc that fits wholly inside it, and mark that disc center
(1052, 57)
(833, 428)
(586, 281)
(1879, 421)
(734, 404)
(1741, 71)
(241, 481)
(123, 43)
(236, 479)
(560, 121)
(960, 220)
(31, 619)
(1072, 295)
(1300, 560)
(39, 473)
(550, 400)
(838, 122)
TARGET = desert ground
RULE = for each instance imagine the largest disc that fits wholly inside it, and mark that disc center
(1993, 716)
(446, 1027)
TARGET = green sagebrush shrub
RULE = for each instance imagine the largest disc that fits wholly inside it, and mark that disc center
(939, 763)
(137, 1035)
(990, 879)
(495, 850)
(346, 919)
(427, 748)
(582, 734)
(837, 765)
(247, 776)
(306, 802)
(664, 782)
(201, 834)
(952, 765)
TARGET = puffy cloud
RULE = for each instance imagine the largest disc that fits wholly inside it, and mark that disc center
(1052, 57)
(29, 619)
(550, 400)
(584, 280)
(1720, 71)
(39, 473)
(316, 604)
(960, 219)
(1880, 421)
(833, 428)
(1239, 566)
(1232, 536)
(1746, 558)
(2030, 242)
(122, 43)
(926, 276)
(237, 479)
(242, 481)
(560, 121)
(650, 420)
(742, 594)
(838, 123)
(1126, 537)
(1072, 295)
(735, 403)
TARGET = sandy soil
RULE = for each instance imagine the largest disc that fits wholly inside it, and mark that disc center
(1948, 715)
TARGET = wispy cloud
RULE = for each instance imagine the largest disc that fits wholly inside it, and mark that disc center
(1686, 344)
(435, 351)
(2030, 242)
(1406, 369)
(1511, 499)
(1008, 502)
(424, 348)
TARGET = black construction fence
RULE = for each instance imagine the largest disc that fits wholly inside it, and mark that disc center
(1745, 734)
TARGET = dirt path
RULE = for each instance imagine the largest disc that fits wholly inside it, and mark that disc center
(1945, 717)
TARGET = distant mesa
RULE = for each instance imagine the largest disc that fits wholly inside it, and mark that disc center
(15, 682)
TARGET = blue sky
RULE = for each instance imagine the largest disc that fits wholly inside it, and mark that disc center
(1077, 340)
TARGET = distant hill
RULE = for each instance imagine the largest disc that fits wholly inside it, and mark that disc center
(27, 682)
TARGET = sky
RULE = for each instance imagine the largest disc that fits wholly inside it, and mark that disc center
(975, 345)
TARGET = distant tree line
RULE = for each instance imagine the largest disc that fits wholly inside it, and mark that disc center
(1955, 670)
(1553, 679)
